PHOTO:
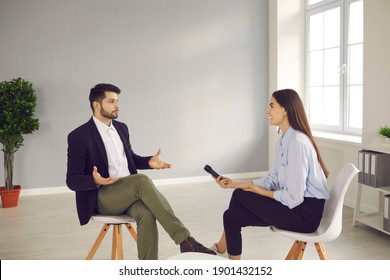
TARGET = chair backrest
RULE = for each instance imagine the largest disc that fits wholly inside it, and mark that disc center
(331, 222)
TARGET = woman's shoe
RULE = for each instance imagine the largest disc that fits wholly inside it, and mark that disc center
(215, 249)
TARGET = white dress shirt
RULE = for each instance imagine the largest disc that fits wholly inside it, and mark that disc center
(296, 172)
(117, 160)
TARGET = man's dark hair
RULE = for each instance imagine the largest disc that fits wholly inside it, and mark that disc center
(98, 92)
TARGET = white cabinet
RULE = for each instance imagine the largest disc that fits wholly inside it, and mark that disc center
(374, 220)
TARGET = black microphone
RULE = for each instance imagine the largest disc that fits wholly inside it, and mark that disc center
(211, 171)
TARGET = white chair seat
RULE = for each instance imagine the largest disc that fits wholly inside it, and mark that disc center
(331, 222)
(320, 235)
(112, 220)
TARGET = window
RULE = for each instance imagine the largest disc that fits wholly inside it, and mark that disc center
(334, 65)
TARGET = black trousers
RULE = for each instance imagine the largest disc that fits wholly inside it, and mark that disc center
(250, 209)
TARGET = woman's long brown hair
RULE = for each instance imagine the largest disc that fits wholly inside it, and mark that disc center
(292, 103)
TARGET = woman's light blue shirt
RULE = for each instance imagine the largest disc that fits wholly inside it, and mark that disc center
(296, 172)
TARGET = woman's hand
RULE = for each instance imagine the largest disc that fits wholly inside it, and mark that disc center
(224, 182)
(259, 190)
(227, 183)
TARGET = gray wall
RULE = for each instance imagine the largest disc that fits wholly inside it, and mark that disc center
(193, 74)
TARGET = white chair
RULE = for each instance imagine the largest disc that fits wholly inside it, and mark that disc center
(331, 223)
(117, 222)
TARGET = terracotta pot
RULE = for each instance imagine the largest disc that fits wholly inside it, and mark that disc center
(10, 198)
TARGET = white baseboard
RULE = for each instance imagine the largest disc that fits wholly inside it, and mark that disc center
(363, 207)
(43, 191)
(157, 182)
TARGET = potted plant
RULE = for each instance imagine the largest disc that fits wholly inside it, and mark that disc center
(384, 132)
(17, 106)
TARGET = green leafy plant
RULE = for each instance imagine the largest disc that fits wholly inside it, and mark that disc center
(18, 101)
(384, 131)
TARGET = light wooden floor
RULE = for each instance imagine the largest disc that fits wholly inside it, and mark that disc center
(46, 227)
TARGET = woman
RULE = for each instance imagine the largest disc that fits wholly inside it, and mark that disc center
(293, 194)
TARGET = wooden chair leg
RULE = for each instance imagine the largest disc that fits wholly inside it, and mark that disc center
(300, 251)
(114, 242)
(132, 231)
(297, 250)
(97, 242)
(321, 251)
(119, 245)
(292, 251)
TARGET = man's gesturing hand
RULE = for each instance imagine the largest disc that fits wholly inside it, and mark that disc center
(99, 180)
(156, 163)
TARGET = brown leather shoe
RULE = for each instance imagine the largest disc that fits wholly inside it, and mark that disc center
(191, 245)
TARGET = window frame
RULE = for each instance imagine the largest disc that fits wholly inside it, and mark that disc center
(320, 7)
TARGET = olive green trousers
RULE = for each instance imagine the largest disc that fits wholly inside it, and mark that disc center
(138, 197)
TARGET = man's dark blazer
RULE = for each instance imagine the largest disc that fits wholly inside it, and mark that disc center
(86, 150)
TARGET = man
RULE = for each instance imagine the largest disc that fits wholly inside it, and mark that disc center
(102, 170)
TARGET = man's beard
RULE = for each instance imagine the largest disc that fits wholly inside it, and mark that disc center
(107, 115)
